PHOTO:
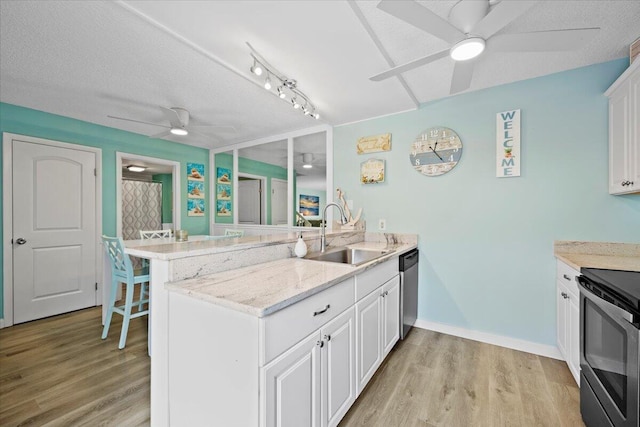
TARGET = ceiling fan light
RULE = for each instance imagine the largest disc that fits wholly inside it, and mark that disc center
(467, 49)
(179, 131)
(307, 166)
(134, 168)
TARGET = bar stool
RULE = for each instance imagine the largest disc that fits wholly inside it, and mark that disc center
(122, 272)
(150, 234)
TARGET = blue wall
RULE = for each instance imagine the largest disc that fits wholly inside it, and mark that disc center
(24, 121)
(486, 243)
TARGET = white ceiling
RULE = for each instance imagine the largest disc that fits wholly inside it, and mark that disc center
(91, 59)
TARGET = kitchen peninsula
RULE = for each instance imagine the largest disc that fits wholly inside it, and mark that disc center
(239, 328)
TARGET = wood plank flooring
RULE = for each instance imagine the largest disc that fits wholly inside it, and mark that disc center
(431, 379)
(58, 372)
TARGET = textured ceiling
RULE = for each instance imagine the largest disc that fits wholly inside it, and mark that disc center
(91, 59)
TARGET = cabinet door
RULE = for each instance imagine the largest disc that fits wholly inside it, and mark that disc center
(390, 315)
(369, 337)
(338, 367)
(634, 129)
(561, 314)
(291, 386)
(619, 139)
(573, 339)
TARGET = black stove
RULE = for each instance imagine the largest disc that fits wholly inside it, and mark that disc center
(622, 285)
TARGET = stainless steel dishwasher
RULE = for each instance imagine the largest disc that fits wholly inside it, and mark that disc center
(408, 291)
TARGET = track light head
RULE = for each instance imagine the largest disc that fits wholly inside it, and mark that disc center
(295, 103)
(267, 83)
(281, 93)
(256, 69)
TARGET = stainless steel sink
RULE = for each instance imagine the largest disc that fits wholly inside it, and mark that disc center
(348, 256)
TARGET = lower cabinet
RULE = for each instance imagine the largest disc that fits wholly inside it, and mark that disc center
(313, 383)
(378, 319)
(568, 317)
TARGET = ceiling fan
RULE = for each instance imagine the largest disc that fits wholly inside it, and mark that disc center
(471, 30)
(178, 123)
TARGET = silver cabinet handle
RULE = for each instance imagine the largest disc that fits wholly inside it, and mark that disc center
(20, 241)
(564, 295)
(327, 337)
(320, 343)
(315, 313)
(566, 277)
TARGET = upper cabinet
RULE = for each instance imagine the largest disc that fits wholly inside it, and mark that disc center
(624, 132)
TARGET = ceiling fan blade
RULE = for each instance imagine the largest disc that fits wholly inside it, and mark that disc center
(161, 134)
(172, 116)
(212, 127)
(409, 66)
(500, 16)
(422, 18)
(137, 121)
(542, 41)
(462, 74)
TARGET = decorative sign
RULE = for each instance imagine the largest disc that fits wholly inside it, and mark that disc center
(223, 207)
(374, 144)
(224, 176)
(195, 189)
(436, 151)
(508, 144)
(634, 50)
(223, 191)
(372, 171)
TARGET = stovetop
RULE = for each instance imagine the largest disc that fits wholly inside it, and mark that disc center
(625, 283)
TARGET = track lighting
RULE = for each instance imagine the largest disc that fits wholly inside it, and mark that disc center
(256, 69)
(283, 84)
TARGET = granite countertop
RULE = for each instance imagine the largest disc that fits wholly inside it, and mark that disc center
(263, 289)
(605, 255)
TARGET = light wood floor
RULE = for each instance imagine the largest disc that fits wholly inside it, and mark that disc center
(58, 372)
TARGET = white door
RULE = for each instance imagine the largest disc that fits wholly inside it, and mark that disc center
(54, 230)
(292, 386)
(338, 368)
(391, 315)
(278, 201)
(249, 201)
(369, 350)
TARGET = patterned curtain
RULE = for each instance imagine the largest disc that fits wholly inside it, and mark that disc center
(141, 207)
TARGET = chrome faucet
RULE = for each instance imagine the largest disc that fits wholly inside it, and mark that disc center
(323, 224)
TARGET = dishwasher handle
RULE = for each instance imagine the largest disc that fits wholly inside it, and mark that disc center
(408, 260)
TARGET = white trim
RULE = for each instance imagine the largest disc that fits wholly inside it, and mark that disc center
(273, 138)
(499, 340)
(623, 77)
(263, 196)
(7, 215)
(175, 186)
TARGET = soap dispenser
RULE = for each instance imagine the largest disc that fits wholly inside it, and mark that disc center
(301, 247)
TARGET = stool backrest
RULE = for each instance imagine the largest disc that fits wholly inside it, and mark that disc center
(120, 262)
(234, 233)
(154, 234)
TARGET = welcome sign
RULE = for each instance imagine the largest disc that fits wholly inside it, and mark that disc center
(508, 144)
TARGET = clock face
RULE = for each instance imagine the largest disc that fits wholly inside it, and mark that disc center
(436, 151)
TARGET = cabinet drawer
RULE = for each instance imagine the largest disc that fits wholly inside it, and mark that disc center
(567, 276)
(375, 277)
(288, 326)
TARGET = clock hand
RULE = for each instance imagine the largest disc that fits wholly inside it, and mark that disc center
(434, 152)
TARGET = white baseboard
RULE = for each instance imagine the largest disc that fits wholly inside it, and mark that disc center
(3, 324)
(499, 340)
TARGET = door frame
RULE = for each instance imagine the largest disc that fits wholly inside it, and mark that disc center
(263, 199)
(175, 184)
(7, 215)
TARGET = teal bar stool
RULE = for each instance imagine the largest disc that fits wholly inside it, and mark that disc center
(122, 272)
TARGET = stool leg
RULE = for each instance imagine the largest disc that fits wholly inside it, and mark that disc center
(112, 303)
(127, 315)
(143, 290)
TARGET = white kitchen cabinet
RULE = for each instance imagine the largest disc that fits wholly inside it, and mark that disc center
(624, 132)
(568, 317)
(378, 317)
(313, 383)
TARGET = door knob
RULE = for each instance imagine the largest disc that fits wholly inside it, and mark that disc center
(21, 241)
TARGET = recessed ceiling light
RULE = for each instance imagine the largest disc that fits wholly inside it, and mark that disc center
(307, 166)
(136, 168)
(467, 49)
(179, 131)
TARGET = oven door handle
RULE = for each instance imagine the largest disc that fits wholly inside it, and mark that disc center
(620, 312)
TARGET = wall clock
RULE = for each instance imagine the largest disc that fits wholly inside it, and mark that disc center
(436, 151)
